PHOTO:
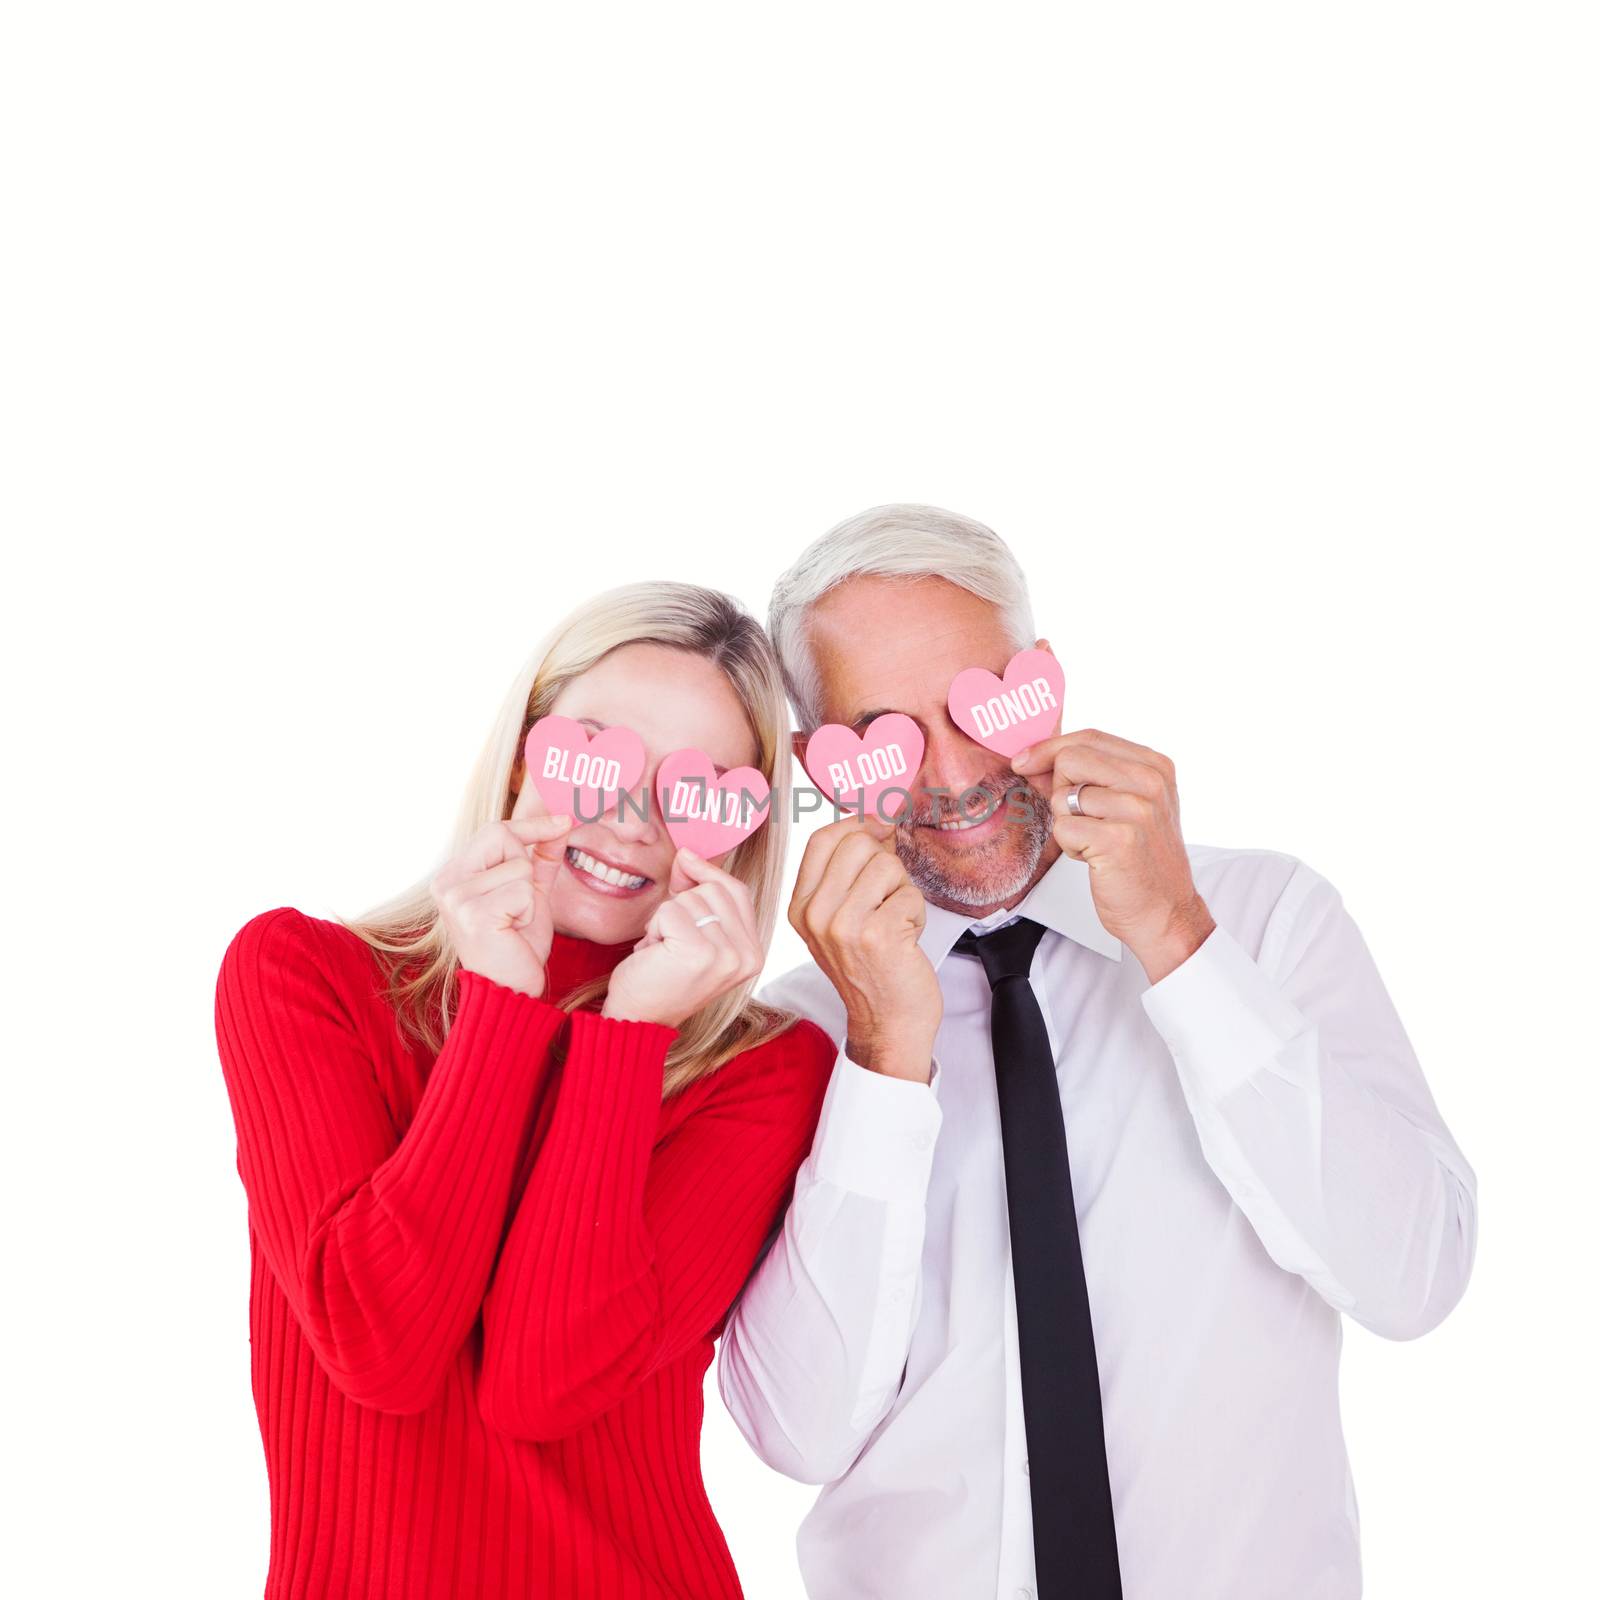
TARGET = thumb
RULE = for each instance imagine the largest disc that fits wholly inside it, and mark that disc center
(547, 855)
(678, 880)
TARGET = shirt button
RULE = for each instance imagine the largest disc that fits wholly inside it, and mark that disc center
(1024, 1594)
(896, 1296)
(921, 1141)
(1024, 1466)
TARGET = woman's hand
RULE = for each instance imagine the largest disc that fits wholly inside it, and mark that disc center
(685, 959)
(494, 898)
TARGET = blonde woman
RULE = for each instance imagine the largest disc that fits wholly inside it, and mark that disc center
(511, 1146)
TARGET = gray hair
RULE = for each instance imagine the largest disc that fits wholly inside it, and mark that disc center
(897, 541)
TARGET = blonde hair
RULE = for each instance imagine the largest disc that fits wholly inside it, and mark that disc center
(405, 932)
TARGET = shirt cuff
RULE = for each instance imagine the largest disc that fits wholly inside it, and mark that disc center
(1221, 1016)
(876, 1134)
(504, 1018)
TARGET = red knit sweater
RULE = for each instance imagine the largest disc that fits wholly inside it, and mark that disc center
(484, 1286)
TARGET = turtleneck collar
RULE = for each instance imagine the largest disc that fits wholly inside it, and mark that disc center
(574, 961)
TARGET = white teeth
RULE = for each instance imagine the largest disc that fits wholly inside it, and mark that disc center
(598, 869)
(961, 824)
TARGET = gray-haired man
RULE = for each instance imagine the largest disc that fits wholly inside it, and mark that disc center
(1118, 1130)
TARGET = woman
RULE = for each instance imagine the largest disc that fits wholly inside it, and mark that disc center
(512, 1145)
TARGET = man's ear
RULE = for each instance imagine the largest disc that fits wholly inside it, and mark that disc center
(797, 743)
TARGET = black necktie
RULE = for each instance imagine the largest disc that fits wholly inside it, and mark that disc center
(1074, 1535)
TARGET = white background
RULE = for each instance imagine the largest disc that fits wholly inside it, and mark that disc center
(345, 346)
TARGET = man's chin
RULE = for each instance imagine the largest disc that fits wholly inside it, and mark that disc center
(970, 876)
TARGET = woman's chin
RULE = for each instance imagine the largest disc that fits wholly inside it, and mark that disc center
(580, 914)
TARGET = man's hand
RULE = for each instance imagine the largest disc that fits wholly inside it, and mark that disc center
(1129, 836)
(860, 916)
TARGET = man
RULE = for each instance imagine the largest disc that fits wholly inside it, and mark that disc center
(1118, 1130)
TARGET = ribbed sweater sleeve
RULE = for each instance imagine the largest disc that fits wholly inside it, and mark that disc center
(623, 1253)
(382, 1245)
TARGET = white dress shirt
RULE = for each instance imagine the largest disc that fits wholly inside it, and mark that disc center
(1254, 1151)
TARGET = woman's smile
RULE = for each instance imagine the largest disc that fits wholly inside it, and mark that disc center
(595, 872)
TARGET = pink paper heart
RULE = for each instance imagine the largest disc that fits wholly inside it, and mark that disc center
(858, 769)
(703, 812)
(1005, 717)
(580, 775)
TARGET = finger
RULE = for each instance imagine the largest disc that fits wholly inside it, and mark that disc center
(742, 904)
(679, 880)
(546, 840)
(1089, 839)
(721, 939)
(874, 884)
(737, 892)
(1114, 745)
(668, 914)
(1038, 757)
(476, 884)
(855, 850)
(708, 900)
(1084, 764)
(1100, 803)
(652, 929)
(1090, 767)
(850, 860)
(697, 868)
(713, 945)
(692, 900)
(739, 954)
(737, 913)
(499, 841)
(509, 905)
(547, 859)
(1074, 763)
(1032, 759)
(712, 900)
(472, 888)
(529, 803)
(541, 830)
(674, 921)
(712, 916)
(907, 901)
(820, 848)
(488, 847)
(699, 899)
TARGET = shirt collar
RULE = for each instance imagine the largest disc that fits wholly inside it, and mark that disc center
(1061, 901)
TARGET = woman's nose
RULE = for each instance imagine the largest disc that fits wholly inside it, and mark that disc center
(635, 816)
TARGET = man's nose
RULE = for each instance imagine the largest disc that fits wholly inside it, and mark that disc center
(952, 763)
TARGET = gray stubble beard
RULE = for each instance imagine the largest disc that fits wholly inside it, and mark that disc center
(991, 882)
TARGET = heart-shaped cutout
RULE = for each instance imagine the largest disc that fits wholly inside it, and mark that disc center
(705, 813)
(579, 774)
(1005, 716)
(857, 770)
